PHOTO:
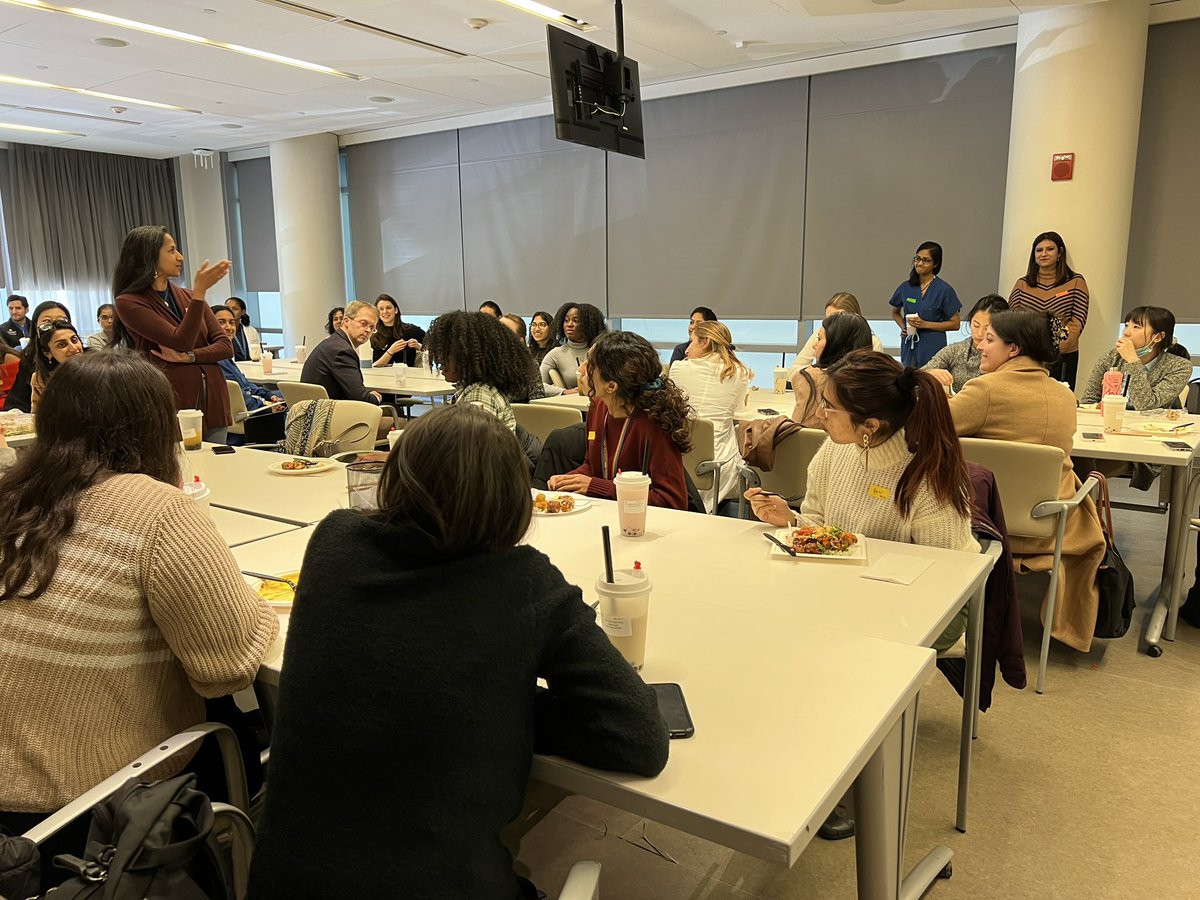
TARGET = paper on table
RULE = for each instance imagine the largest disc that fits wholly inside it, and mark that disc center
(897, 569)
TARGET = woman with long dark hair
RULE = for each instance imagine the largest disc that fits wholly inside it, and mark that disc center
(541, 335)
(334, 320)
(120, 605)
(842, 301)
(54, 343)
(20, 396)
(1050, 285)
(638, 407)
(246, 339)
(956, 364)
(839, 334)
(577, 327)
(394, 340)
(172, 325)
(925, 307)
(450, 589)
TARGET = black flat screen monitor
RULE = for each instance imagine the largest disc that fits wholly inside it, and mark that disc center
(597, 99)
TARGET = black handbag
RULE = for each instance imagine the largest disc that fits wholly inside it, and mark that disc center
(1114, 582)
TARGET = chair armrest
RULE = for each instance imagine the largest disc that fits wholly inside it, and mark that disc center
(583, 882)
(390, 409)
(1054, 507)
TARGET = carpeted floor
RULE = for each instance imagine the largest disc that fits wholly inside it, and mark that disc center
(1083, 792)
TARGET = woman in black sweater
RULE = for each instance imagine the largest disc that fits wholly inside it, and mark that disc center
(408, 708)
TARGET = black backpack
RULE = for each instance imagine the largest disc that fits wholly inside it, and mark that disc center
(150, 842)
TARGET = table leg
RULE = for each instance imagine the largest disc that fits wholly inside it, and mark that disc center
(1166, 609)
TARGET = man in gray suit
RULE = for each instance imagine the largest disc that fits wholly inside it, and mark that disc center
(333, 363)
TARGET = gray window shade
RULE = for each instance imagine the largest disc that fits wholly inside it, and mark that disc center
(901, 154)
(533, 217)
(1166, 191)
(404, 218)
(714, 216)
(256, 212)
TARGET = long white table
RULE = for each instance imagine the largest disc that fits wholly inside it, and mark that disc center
(241, 528)
(780, 733)
(383, 379)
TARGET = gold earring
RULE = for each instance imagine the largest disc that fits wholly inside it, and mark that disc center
(866, 440)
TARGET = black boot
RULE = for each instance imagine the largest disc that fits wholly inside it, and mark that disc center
(837, 827)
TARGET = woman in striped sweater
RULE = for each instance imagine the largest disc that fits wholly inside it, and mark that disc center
(1050, 285)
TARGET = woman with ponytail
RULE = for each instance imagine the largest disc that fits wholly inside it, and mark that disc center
(639, 410)
(1016, 400)
(892, 468)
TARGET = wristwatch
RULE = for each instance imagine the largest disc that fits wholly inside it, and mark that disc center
(191, 356)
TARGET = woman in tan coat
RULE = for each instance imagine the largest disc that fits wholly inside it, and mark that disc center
(1016, 400)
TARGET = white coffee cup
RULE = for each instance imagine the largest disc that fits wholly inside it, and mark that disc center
(624, 610)
(400, 371)
(911, 319)
(191, 428)
(393, 436)
(197, 490)
(633, 495)
(1112, 407)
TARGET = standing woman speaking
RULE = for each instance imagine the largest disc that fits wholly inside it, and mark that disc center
(930, 301)
(1051, 286)
(173, 326)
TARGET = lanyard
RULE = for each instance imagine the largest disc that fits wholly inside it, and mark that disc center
(604, 464)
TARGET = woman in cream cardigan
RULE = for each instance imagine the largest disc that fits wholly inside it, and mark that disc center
(1016, 400)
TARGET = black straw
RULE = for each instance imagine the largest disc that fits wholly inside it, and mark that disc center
(646, 459)
(608, 572)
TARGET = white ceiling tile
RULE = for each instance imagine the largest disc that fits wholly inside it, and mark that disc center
(350, 50)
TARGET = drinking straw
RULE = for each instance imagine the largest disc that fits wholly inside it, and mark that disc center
(608, 570)
(646, 459)
(304, 341)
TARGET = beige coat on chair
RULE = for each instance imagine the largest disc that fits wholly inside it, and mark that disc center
(1020, 402)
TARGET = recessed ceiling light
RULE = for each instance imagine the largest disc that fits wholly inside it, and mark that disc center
(550, 13)
(159, 31)
(29, 82)
(43, 68)
(230, 125)
(209, 11)
(109, 42)
(36, 130)
(721, 33)
(886, 2)
(382, 99)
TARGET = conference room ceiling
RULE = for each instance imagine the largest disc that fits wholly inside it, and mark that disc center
(229, 100)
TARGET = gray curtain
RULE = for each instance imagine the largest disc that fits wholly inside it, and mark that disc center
(70, 211)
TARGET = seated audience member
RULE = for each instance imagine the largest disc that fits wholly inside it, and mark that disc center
(121, 607)
(839, 302)
(394, 340)
(17, 327)
(450, 572)
(891, 469)
(699, 314)
(256, 396)
(20, 395)
(1158, 369)
(54, 342)
(714, 382)
(579, 324)
(839, 334)
(956, 364)
(246, 335)
(333, 363)
(541, 335)
(638, 408)
(106, 316)
(334, 320)
(1016, 400)
(515, 324)
(492, 309)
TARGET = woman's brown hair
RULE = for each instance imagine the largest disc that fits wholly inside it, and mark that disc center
(106, 413)
(720, 342)
(631, 361)
(459, 476)
(844, 301)
(871, 385)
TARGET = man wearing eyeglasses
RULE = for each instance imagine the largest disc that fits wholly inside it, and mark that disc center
(333, 363)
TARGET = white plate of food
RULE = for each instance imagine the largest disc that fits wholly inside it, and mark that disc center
(1164, 429)
(820, 542)
(278, 594)
(558, 503)
(299, 466)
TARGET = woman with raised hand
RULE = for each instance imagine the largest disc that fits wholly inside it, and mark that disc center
(932, 304)
(54, 343)
(578, 326)
(640, 414)
(714, 381)
(839, 334)
(394, 340)
(451, 590)
(957, 363)
(1016, 400)
(1050, 285)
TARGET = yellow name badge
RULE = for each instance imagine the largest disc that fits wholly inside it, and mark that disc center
(879, 493)
(591, 435)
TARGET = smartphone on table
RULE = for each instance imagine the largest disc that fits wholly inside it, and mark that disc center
(1092, 436)
(674, 710)
(222, 448)
(1178, 445)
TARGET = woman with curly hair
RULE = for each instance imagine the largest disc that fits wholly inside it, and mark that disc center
(638, 409)
(577, 326)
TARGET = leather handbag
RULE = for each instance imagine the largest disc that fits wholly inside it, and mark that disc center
(1114, 581)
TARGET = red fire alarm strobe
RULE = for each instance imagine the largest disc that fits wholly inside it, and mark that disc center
(1062, 167)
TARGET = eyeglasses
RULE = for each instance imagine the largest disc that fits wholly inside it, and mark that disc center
(366, 323)
(824, 409)
(47, 327)
(923, 259)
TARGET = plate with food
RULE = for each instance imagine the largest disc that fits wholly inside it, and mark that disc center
(819, 542)
(558, 503)
(278, 594)
(299, 466)
(1157, 428)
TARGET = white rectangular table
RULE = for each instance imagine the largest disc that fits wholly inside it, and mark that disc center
(241, 528)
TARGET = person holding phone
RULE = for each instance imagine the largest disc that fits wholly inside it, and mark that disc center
(925, 307)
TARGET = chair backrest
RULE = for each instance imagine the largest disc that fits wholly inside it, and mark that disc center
(704, 449)
(1026, 475)
(556, 378)
(8, 377)
(1184, 394)
(348, 415)
(295, 391)
(789, 476)
(1192, 402)
(237, 406)
(542, 418)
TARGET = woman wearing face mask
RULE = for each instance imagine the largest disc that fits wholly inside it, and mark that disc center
(958, 363)
(55, 342)
(1158, 369)
(1050, 285)
(932, 304)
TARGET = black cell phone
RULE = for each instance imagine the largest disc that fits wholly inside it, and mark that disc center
(223, 448)
(1178, 445)
(1092, 436)
(769, 412)
(674, 710)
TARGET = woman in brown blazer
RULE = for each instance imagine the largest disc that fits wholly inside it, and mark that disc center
(1016, 400)
(174, 326)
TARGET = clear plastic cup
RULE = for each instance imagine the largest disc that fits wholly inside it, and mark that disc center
(1112, 407)
(362, 484)
(624, 611)
(780, 379)
(633, 495)
(301, 353)
(266, 362)
(191, 428)
(393, 436)
(400, 372)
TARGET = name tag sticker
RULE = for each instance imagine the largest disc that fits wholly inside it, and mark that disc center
(879, 493)
(591, 435)
(1061, 294)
